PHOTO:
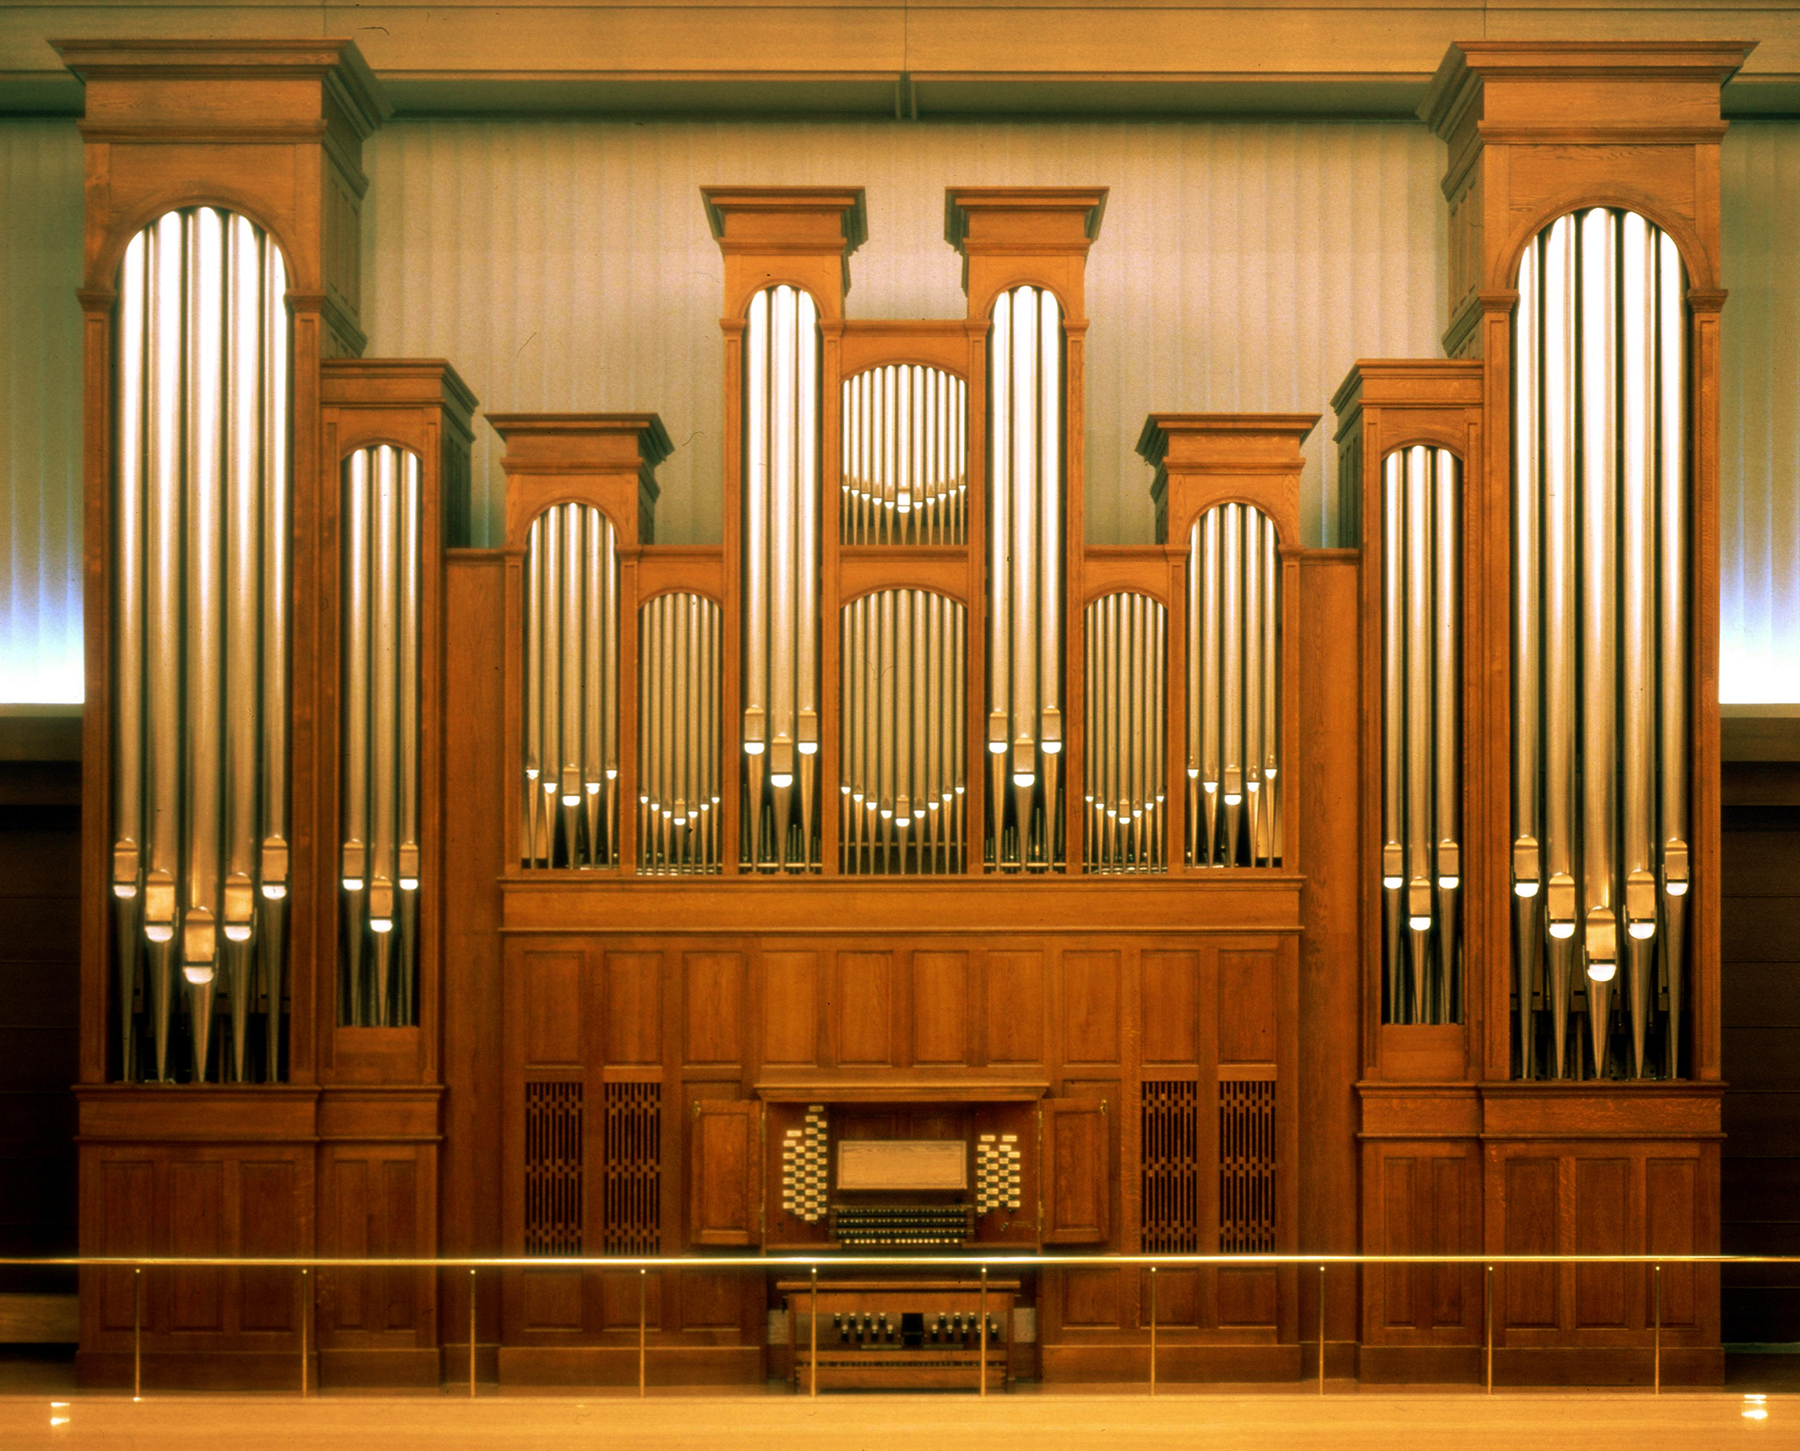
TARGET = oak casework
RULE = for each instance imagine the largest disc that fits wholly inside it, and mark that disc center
(661, 1047)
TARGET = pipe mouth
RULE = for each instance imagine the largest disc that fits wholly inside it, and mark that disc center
(409, 884)
(1677, 889)
(781, 780)
(569, 800)
(1525, 889)
(1602, 971)
(274, 891)
(1393, 884)
(1419, 924)
(612, 773)
(1024, 778)
(808, 748)
(352, 884)
(1642, 931)
(1231, 800)
(1051, 748)
(1562, 931)
(124, 891)
(1193, 773)
(753, 748)
(593, 788)
(1449, 884)
(381, 924)
(997, 748)
(160, 932)
(237, 932)
(199, 975)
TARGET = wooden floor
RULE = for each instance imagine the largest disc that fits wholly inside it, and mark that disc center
(1046, 1421)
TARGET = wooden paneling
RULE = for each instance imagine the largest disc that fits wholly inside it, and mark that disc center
(1090, 1007)
(940, 1007)
(1246, 1007)
(1077, 1165)
(633, 1008)
(790, 1007)
(1170, 1000)
(712, 1008)
(1015, 1006)
(1529, 1297)
(722, 1173)
(552, 1028)
(1602, 1226)
(862, 1002)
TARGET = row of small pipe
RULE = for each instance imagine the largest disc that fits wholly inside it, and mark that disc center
(570, 801)
(1025, 542)
(379, 856)
(905, 455)
(1124, 787)
(201, 580)
(902, 735)
(1421, 858)
(781, 481)
(1600, 647)
(678, 734)
(1234, 689)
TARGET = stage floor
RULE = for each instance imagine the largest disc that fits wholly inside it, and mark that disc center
(1345, 1419)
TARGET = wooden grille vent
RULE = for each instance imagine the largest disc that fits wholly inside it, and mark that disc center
(632, 1196)
(1246, 1166)
(1171, 1159)
(553, 1168)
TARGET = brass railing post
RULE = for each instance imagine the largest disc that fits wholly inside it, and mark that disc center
(305, 1304)
(137, 1333)
(472, 1307)
(812, 1319)
(1152, 1329)
(1656, 1342)
(984, 1330)
(1487, 1318)
(1321, 1329)
(643, 1291)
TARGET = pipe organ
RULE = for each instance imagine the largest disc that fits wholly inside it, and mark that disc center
(593, 892)
(1601, 656)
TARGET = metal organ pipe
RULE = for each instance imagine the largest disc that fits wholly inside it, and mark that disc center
(1599, 506)
(781, 362)
(678, 739)
(903, 430)
(200, 869)
(901, 723)
(1234, 614)
(1421, 871)
(1126, 636)
(1025, 385)
(380, 853)
(571, 578)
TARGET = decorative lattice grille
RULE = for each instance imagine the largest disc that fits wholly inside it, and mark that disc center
(632, 1197)
(1246, 1166)
(1171, 1160)
(553, 1168)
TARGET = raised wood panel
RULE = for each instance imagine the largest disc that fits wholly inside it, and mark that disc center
(1171, 997)
(710, 1302)
(1177, 1299)
(552, 983)
(1246, 1007)
(1602, 1226)
(266, 1226)
(1671, 1208)
(347, 1183)
(863, 1008)
(1090, 1007)
(1399, 1191)
(1015, 1007)
(790, 1008)
(1246, 1297)
(1531, 1221)
(633, 1012)
(1077, 1141)
(197, 1226)
(127, 1187)
(1448, 1188)
(940, 1006)
(1090, 1299)
(721, 1172)
(713, 1007)
(552, 1300)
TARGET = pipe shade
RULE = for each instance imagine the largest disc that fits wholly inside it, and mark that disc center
(569, 787)
(1234, 629)
(201, 398)
(1601, 657)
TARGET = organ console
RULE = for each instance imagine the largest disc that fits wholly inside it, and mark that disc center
(905, 871)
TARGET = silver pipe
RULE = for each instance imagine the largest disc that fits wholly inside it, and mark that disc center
(1672, 613)
(903, 691)
(886, 746)
(806, 654)
(783, 559)
(756, 562)
(596, 546)
(1271, 679)
(1000, 596)
(243, 607)
(678, 735)
(162, 621)
(1210, 704)
(1599, 613)
(903, 426)
(1117, 807)
(1026, 484)
(1527, 662)
(1159, 716)
(204, 623)
(1418, 825)
(1049, 547)
(921, 737)
(556, 594)
(1637, 565)
(1446, 751)
(407, 866)
(1232, 691)
(383, 718)
(272, 909)
(128, 627)
(1559, 564)
(1090, 734)
(1253, 682)
(534, 685)
(609, 693)
(1140, 727)
(1194, 708)
(572, 705)
(958, 716)
(1393, 725)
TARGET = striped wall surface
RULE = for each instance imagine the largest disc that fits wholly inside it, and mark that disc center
(565, 264)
